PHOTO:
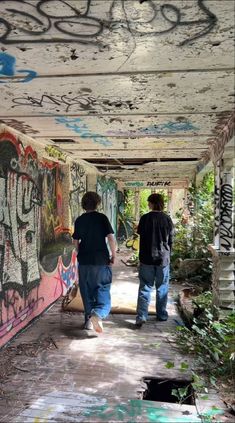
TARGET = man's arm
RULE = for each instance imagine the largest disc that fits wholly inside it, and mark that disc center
(113, 246)
(76, 243)
(171, 234)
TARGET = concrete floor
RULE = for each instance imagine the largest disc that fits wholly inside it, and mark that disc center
(58, 372)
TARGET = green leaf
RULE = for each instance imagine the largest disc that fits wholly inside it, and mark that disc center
(204, 397)
(183, 366)
(175, 393)
(170, 365)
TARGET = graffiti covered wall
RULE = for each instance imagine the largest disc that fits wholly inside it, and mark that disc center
(107, 189)
(78, 189)
(37, 261)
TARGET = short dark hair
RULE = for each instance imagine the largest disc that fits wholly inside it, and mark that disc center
(157, 200)
(90, 200)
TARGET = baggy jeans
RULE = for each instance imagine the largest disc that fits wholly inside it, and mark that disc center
(149, 276)
(95, 284)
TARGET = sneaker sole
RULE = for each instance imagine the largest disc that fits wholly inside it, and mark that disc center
(97, 324)
(139, 324)
(88, 327)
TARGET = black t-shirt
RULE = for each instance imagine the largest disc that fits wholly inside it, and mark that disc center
(91, 229)
(156, 233)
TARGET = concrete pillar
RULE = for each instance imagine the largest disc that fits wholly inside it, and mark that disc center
(226, 228)
(217, 203)
(224, 252)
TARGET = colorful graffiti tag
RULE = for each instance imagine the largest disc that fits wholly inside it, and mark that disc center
(80, 128)
(78, 179)
(26, 186)
(8, 71)
(88, 25)
(107, 189)
(166, 128)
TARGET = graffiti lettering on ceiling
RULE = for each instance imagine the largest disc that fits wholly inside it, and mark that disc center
(19, 126)
(165, 128)
(78, 180)
(80, 103)
(107, 189)
(57, 103)
(80, 24)
(7, 69)
(80, 128)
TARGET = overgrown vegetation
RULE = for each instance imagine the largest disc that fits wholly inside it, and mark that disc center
(212, 341)
(194, 232)
(129, 205)
(129, 211)
(193, 235)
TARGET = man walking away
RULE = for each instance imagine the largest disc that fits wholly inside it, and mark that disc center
(91, 231)
(156, 233)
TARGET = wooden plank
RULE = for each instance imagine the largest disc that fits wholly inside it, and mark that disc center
(137, 410)
(85, 372)
(89, 144)
(136, 153)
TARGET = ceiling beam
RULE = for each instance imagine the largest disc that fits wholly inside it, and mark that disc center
(132, 154)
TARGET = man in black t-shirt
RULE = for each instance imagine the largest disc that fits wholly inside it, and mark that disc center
(91, 230)
(156, 233)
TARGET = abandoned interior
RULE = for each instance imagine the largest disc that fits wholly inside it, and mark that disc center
(117, 97)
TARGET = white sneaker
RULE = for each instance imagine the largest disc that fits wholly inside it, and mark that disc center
(97, 323)
(88, 325)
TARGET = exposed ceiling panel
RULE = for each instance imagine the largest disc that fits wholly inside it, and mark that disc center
(117, 80)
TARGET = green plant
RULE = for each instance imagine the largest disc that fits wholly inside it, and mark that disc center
(211, 339)
(129, 204)
(144, 194)
(192, 238)
(181, 393)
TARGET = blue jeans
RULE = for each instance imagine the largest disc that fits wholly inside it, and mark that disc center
(149, 276)
(95, 283)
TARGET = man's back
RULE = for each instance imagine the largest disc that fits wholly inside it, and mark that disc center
(91, 229)
(156, 231)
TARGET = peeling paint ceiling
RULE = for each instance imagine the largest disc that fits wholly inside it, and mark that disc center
(137, 88)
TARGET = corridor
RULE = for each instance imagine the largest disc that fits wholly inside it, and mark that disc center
(57, 372)
(115, 97)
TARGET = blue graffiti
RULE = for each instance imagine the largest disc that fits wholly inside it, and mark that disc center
(169, 127)
(7, 68)
(82, 130)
